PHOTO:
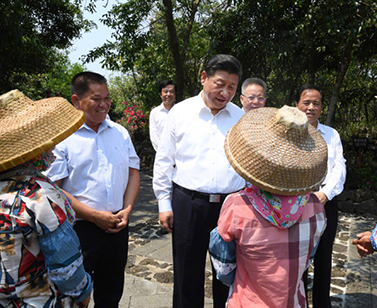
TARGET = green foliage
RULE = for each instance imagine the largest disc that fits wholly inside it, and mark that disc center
(58, 78)
(141, 46)
(30, 32)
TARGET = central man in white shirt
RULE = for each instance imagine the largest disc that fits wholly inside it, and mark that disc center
(190, 195)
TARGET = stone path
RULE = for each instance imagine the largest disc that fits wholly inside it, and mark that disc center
(156, 270)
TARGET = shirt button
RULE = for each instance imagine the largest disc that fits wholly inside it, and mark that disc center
(108, 186)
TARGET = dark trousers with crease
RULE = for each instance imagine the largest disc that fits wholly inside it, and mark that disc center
(194, 219)
(105, 258)
(323, 258)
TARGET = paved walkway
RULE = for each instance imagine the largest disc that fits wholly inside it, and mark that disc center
(149, 271)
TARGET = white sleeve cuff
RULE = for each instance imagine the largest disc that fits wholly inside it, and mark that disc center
(164, 205)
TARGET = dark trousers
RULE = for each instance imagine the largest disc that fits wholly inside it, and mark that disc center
(323, 258)
(194, 219)
(105, 258)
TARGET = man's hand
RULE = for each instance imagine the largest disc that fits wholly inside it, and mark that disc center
(85, 302)
(321, 196)
(123, 221)
(363, 244)
(166, 221)
(105, 220)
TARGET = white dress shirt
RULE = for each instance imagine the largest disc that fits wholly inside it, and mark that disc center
(193, 141)
(95, 166)
(157, 119)
(336, 164)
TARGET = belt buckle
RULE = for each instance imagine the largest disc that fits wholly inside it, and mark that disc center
(214, 198)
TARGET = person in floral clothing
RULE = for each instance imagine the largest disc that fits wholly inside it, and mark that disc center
(41, 260)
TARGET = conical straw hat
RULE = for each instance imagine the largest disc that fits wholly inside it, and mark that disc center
(29, 128)
(278, 151)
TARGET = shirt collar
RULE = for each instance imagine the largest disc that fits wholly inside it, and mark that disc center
(105, 124)
(321, 128)
(163, 106)
(204, 106)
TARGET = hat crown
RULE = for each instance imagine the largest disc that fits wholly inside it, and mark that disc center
(293, 118)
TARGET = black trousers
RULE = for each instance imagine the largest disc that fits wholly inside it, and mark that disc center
(105, 258)
(323, 259)
(194, 219)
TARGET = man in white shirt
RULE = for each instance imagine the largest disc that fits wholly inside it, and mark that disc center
(99, 167)
(158, 114)
(309, 99)
(254, 91)
(193, 142)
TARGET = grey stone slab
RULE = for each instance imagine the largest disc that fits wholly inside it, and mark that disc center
(159, 249)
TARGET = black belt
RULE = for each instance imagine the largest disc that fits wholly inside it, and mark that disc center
(212, 198)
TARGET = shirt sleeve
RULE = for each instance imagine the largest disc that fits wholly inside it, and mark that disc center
(225, 224)
(153, 133)
(64, 261)
(59, 168)
(134, 161)
(337, 177)
(163, 169)
(223, 256)
(58, 242)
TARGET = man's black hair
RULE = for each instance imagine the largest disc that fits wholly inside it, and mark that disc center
(166, 83)
(307, 86)
(225, 63)
(80, 83)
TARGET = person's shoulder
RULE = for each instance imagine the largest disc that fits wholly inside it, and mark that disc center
(233, 108)
(327, 129)
(187, 105)
(156, 108)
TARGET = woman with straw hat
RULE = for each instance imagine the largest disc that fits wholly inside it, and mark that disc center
(41, 261)
(267, 233)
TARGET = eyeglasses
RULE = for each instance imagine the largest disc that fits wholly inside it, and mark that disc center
(260, 99)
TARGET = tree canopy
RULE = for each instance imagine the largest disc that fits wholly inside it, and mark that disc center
(31, 32)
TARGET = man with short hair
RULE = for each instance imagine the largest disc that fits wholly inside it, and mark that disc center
(191, 166)
(158, 114)
(98, 165)
(309, 99)
(254, 91)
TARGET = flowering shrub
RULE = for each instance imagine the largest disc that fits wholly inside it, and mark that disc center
(133, 118)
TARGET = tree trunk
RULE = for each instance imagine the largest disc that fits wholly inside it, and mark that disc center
(174, 44)
(339, 80)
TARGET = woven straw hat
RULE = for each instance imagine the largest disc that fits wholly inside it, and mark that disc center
(29, 128)
(276, 150)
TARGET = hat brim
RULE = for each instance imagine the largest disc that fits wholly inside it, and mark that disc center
(31, 128)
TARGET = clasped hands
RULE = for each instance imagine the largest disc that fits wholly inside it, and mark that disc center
(111, 223)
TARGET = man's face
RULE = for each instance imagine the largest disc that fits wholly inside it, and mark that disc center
(168, 94)
(253, 97)
(95, 103)
(218, 89)
(311, 103)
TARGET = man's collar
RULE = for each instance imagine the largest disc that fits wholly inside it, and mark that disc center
(320, 127)
(226, 107)
(107, 123)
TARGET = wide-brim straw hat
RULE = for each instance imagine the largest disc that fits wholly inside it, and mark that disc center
(29, 128)
(278, 151)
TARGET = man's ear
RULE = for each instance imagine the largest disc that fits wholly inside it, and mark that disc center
(203, 77)
(75, 101)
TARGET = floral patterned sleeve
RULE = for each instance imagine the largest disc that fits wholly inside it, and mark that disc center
(58, 241)
(373, 238)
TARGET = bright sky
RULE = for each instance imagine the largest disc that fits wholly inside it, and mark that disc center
(93, 39)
